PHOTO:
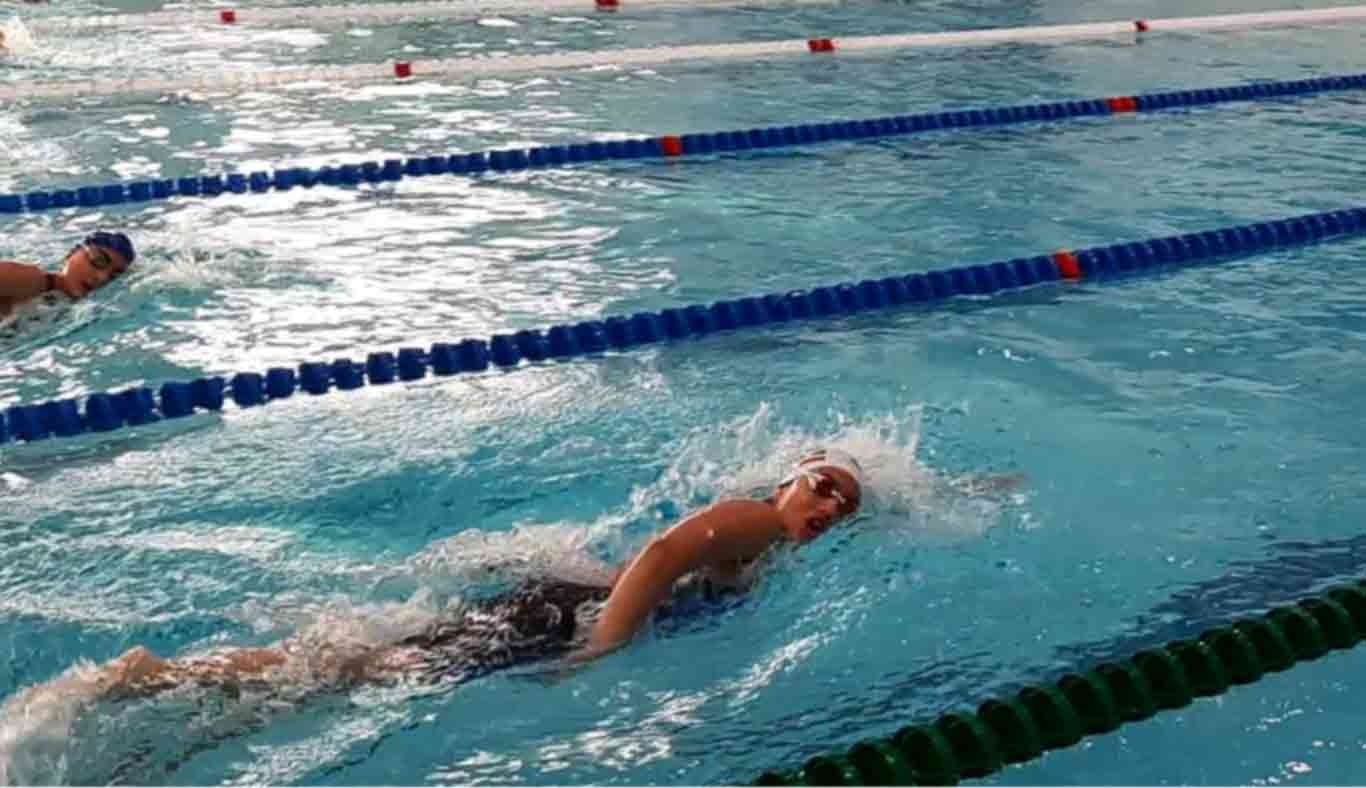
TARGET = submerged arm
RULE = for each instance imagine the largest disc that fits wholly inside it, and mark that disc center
(727, 531)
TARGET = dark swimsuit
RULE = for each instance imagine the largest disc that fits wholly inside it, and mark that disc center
(534, 622)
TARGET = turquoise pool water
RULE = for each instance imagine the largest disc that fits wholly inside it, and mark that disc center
(1191, 442)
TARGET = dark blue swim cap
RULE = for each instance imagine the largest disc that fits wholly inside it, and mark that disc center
(114, 242)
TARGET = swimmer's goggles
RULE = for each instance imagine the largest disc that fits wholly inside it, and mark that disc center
(824, 486)
(99, 257)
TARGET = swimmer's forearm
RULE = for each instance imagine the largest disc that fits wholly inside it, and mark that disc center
(20, 281)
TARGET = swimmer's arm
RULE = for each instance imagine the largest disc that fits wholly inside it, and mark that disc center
(727, 531)
(20, 281)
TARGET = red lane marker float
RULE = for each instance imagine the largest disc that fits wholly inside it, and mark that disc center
(607, 5)
(1122, 104)
(403, 70)
(1067, 265)
(227, 17)
(672, 146)
(1140, 26)
(820, 45)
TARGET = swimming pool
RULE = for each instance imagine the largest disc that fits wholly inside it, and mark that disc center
(1190, 440)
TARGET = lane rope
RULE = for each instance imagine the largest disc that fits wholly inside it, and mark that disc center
(296, 16)
(139, 405)
(475, 67)
(1022, 727)
(652, 148)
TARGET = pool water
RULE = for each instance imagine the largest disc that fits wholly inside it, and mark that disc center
(1190, 442)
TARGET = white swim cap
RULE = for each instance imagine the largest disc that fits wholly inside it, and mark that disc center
(832, 458)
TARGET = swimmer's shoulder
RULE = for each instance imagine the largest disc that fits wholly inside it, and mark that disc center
(745, 525)
(745, 509)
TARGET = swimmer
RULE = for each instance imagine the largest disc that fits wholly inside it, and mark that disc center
(716, 551)
(90, 265)
(724, 541)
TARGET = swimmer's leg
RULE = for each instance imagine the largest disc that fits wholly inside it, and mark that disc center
(140, 672)
(541, 617)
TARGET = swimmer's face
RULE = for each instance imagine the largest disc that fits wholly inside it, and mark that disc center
(90, 267)
(816, 500)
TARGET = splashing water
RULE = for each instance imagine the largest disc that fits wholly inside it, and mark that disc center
(63, 731)
(557, 550)
(746, 458)
(194, 262)
(902, 494)
(18, 40)
(43, 321)
(36, 724)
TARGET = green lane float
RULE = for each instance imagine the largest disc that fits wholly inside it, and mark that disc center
(1098, 700)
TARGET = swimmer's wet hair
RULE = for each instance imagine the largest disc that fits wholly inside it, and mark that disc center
(114, 242)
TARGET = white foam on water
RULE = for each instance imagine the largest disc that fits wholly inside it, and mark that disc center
(36, 726)
(18, 40)
(749, 456)
(742, 458)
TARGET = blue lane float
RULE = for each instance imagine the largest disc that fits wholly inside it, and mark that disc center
(664, 147)
(107, 411)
